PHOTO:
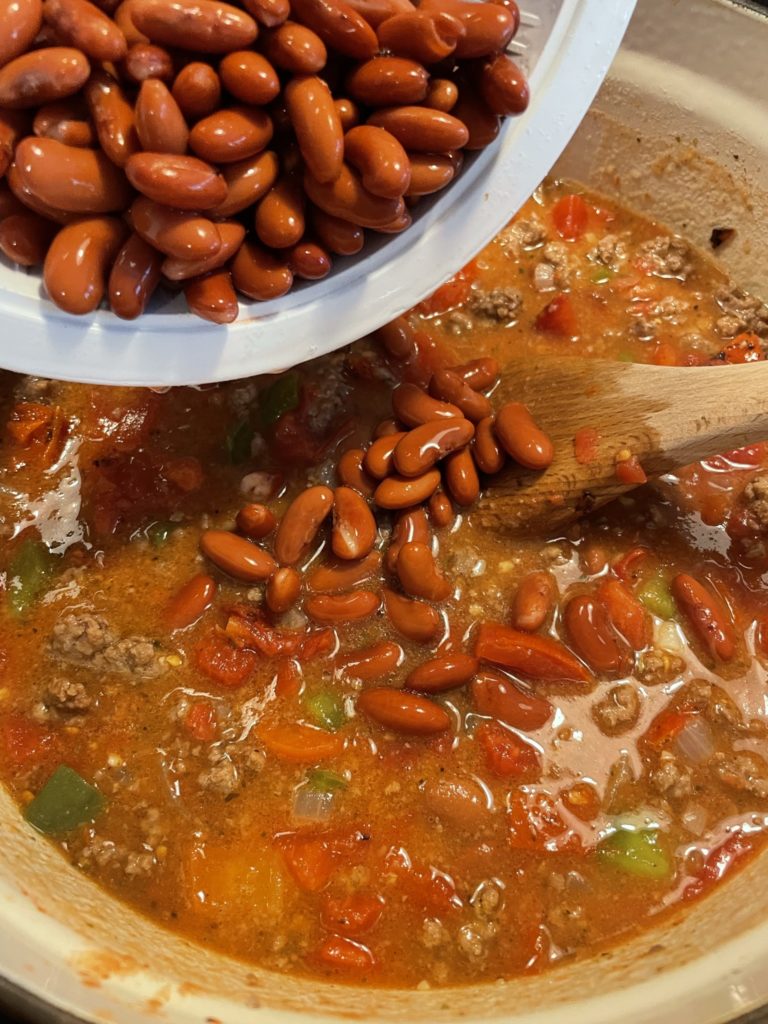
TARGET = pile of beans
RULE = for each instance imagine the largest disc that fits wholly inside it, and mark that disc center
(223, 150)
(420, 465)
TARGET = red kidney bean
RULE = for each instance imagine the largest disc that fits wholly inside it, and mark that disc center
(301, 523)
(351, 472)
(478, 118)
(377, 461)
(160, 124)
(75, 180)
(430, 172)
(593, 636)
(295, 48)
(504, 86)
(419, 575)
(398, 339)
(191, 601)
(354, 528)
(331, 578)
(20, 21)
(448, 386)
(339, 236)
(197, 90)
(440, 510)
(134, 277)
(237, 557)
(144, 61)
(403, 712)
(282, 591)
(82, 25)
(401, 492)
(78, 261)
(247, 181)
(440, 674)
(249, 77)
(317, 125)
(707, 614)
(333, 609)
(422, 129)
(182, 182)
(415, 620)
(426, 444)
(442, 94)
(388, 81)
(279, 220)
(25, 238)
(461, 479)
(309, 261)
(486, 450)
(425, 36)
(495, 695)
(339, 26)
(521, 438)
(413, 406)
(409, 526)
(113, 117)
(174, 232)
(42, 76)
(348, 199)
(479, 374)
(488, 26)
(381, 161)
(65, 121)
(534, 601)
(231, 135)
(212, 297)
(259, 274)
(372, 662)
(206, 26)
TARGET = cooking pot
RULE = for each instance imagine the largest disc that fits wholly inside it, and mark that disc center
(679, 131)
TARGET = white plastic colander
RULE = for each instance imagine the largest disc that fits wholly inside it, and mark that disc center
(566, 47)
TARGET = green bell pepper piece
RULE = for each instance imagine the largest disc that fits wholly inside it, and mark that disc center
(278, 398)
(657, 597)
(326, 710)
(323, 781)
(64, 802)
(636, 852)
(28, 574)
(159, 533)
(239, 443)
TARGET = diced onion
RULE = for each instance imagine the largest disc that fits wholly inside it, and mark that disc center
(695, 741)
(312, 804)
(668, 637)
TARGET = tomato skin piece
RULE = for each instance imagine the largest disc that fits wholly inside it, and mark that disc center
(506, 754)
(666, 726)
(495, 695)
(200, 721)
(707, 614)
(301, 744)
(224, 664)
(353, 914)
(345, 954)
(628, 566)
(537, 826)
(25, 742)
(720, 862)
(570, 215)
(744, 348)
(558, 317)
(312, 857)
(586, 445)
(626, 613)
(629, 471)
(537, 657)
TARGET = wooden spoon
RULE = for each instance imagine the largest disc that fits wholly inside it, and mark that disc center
(667, 416)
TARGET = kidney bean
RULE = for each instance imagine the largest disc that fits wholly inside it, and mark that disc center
(247, 180)
(426, 36)
(415, 620)
(422, 129)
(529, 655)
(534, 601)
(521, 438)
(339, 236)
(124, 22)
(430, 172)
(354, 528)
(479, 374)
(440, 674)
(409, 526)
(627, 614)
(398, 339)
(419, 575)
(339, 26)
(377, 461)
(20, 21)
(279, 217)
(295, 48)
(31, 201)
(212, 297)
(401, 492)
(160, 124)
(189, 602)
(82, 25)
(403, 220)
(426, 444)
(386, 428)
(347, 198)
(486, 451)
(708, 615)
(380, 159)
(403, 712)
(259, 274)
(488, 26)
(448, 386)
(113, 117)
(78, 261)
(332, 609)
(388, 82)
(255, 521)
(592, 635)
(66, 122)
(207, 26)
(494, 694)
(282, 591)
(480, 121)
(249, 77)
(25, 238)
(145, 60)
(268, 13)
(442, 94)
(440, 510)
(9, 204)
(197, 90)
(376, 11)
(372, 662)
(301, 522)
(458, 802)
(349, 113)
(14, 125)
(337, 576)
(134, 277)
(42, 76)
(228, 136)
(413, 406)
(504, 86)
(350, 471)
(317, 125)
(461, 479)
(309, 261)
(237, 557)
(183, 182)
(231, 234)
(174, 232)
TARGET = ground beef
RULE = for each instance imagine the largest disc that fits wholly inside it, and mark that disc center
(222, 777)
(755, 499)
(618, 710)
(501, 304)
(64, 695)
(743, 770)
(137, 864)
(741, 312)
(667, 310)
(666, 256)
(330, 393)
(554, 269)
(713, 701)
(671, 778)
(610, 251)
(457, 322)
(87, 640)
(658, 666)
(522, 235)
(433, 934)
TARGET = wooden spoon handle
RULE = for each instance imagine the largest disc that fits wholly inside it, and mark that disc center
(667, 416)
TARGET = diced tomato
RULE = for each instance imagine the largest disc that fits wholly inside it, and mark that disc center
(300, 744)
(249, 630)
(664, 354)
(120, 418)
(226, 665)
(586, 444)
(313, 857)
(666, 726)
(451, 294)
(427, 888)
(536, 657)
(629, 471)
(184, 472)
(570, 215)
(507, 754)
(43, 427)
(345, 954)
(292, 441)
(627, 568)
(353, 914)
(558, 317)
(200, 721)
(24, 742)
(536, 825)
(288, 678)
(720, 862)
(745, 348)
(582, 800)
